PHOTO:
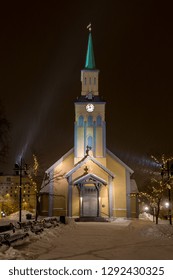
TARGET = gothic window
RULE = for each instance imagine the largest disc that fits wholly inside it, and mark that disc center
(99, 121)
(90, 80)
(80, 121)
(85, 81)
(94, 80)
(90, 141)
(90, 121)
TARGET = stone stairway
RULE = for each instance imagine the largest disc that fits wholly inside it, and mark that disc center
(90, 219)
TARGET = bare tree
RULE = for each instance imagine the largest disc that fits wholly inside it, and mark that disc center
(39, 180)
(166, 172)
(35, 175)
(154, 196)
(160, 186)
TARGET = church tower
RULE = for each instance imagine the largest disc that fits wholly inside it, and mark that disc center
(90, 126)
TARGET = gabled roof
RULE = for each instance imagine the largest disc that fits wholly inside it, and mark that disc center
(90, 61)
(88, 177)
(83, 161)
(120, 161)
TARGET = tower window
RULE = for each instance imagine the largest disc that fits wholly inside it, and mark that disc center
(85, 81)
(90, 121)
(99, 121)
(80, 121)
(90, 80)
(94, 80)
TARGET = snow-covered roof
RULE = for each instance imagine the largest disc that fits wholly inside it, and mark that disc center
(133, 186)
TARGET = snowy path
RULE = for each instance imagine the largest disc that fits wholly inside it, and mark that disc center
(111, 241)
(129, 240)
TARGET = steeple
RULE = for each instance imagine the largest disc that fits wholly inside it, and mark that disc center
(90, 61)
(89, 75)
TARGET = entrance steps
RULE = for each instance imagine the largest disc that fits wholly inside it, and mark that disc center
(90, 219)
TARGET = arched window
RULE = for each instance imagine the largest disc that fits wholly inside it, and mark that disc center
(90, 120)
(99, 121)
(90, 80)
(90, 141)
(85, 81)
(94, 80)
(80, 121)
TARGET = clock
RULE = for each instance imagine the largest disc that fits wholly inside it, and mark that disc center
(90, 107)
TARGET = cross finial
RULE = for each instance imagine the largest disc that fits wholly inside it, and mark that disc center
(89, 27)
(88, 148)
(86, 170)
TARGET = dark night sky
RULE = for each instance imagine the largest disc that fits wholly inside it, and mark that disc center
(42, 51)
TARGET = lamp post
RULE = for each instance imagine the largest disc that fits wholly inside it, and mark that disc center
(167, 170)
(19, 168)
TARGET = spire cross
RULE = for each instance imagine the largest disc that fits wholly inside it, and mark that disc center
(89, 27)
(88, 148)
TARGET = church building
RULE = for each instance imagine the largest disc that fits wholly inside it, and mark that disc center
(89, 180)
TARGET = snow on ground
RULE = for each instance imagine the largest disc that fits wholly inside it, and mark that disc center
(118, 239)
(146, 216)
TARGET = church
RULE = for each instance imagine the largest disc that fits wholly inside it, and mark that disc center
(89, 180)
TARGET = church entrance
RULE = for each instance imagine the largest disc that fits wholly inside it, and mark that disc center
(89, 186)
(90, 202)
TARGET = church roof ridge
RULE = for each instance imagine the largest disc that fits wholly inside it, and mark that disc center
(84, 160)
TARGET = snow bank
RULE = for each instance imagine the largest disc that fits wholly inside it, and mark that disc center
(28, 247)
(146, 216)
(158, 231)
(122, 221)
(15, 216)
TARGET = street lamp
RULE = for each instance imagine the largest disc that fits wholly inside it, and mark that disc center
(167, 205)
(146, 208)
(20, 168)
(168, 170)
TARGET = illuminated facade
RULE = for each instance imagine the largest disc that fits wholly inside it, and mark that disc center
(89, 181)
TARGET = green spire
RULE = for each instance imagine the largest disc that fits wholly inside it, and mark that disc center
(90, 61)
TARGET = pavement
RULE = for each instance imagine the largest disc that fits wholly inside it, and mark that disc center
(109, 241)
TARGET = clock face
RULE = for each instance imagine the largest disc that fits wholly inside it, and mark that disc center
(90, 107)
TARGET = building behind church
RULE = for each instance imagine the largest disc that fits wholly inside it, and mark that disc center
(89, 180)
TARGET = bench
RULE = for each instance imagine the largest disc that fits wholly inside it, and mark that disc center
(7, 227)
(4, 231)
(4, 236)
(15, 237)
(37, 228)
